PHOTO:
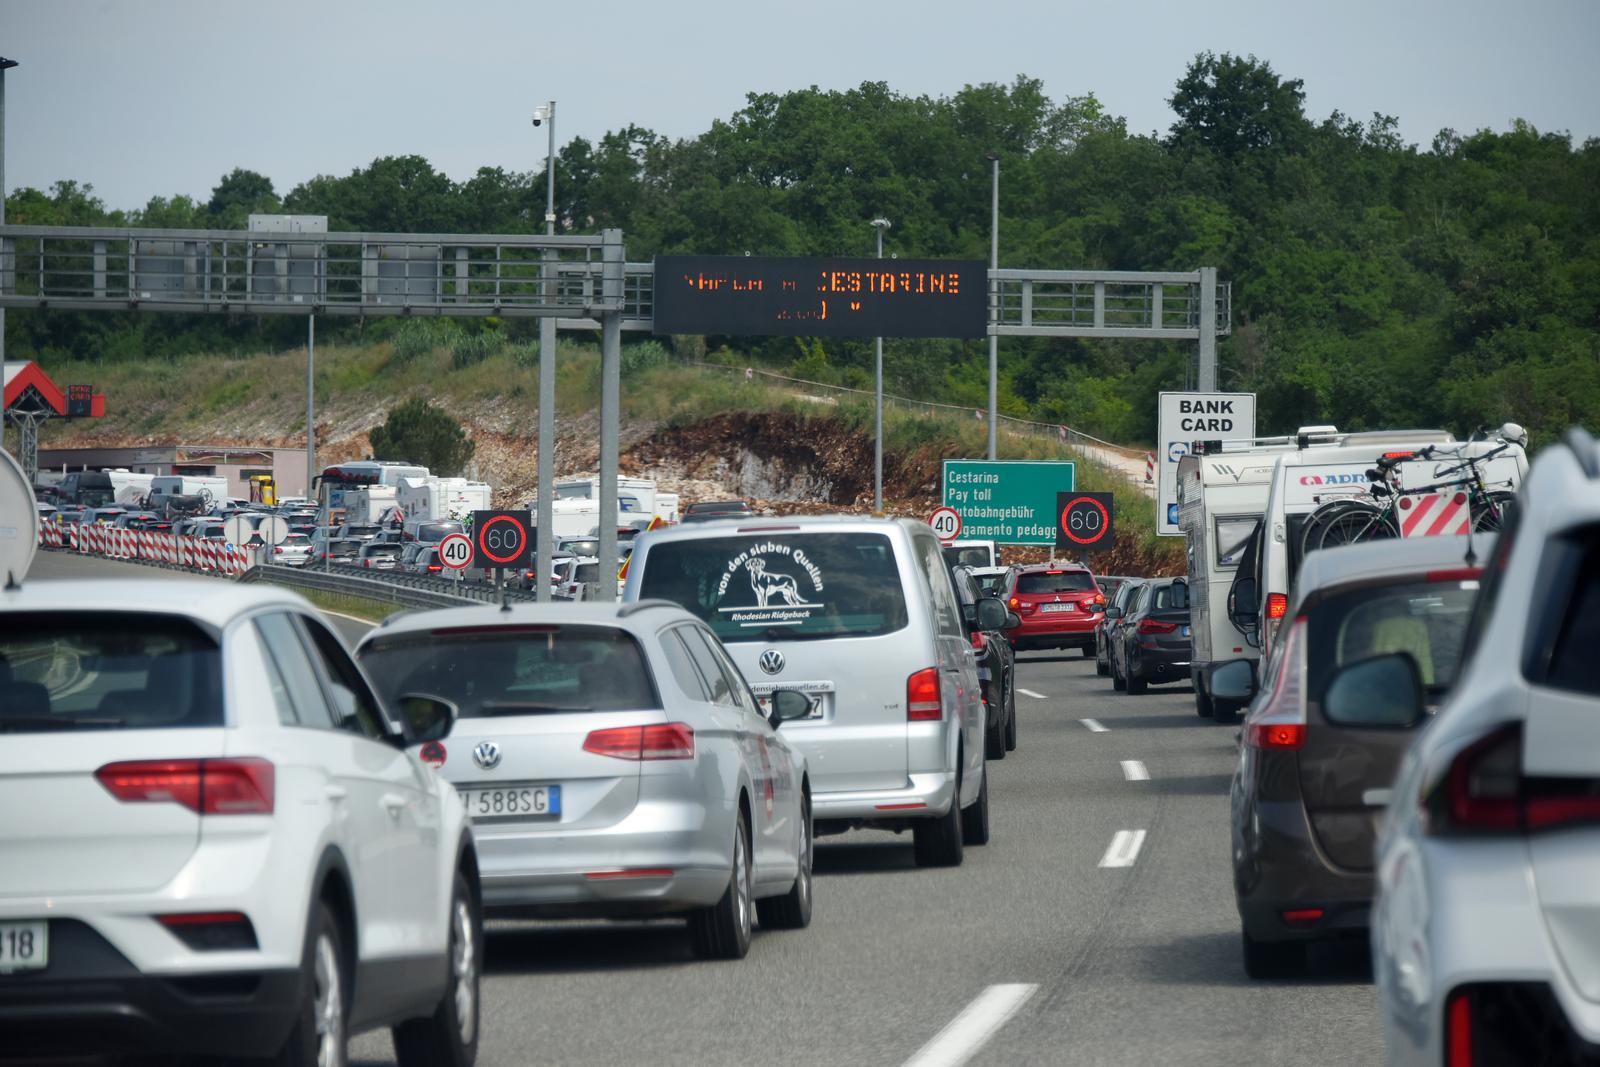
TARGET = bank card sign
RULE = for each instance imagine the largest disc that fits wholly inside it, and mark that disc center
(1008, 502)
(1185, 418)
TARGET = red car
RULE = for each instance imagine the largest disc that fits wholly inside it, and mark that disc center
(1059, 604)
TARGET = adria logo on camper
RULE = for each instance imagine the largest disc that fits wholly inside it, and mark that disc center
(1333, 479)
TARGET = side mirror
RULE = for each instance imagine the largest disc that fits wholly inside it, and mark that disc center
(428, 717)
(991, 614)
(1234, 681)
(1243, 604)
(1013, 620)
(1113, 612)
(789, 704)
(1381, 691)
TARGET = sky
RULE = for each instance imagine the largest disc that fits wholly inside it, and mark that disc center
(144, 98)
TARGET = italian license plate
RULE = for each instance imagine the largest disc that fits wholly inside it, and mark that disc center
(513, 802)
(1186, 631)
(1058, 607)
(24, 946)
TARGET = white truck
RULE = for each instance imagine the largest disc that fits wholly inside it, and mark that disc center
(635, 496)
(131, 487)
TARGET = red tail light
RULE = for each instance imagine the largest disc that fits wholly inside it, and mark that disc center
(1282, 736)
(277, 550)
(208, 786)
(671, 740)
(1015, 603)
(434, 568)
(1155, 626)
(1280, 723)
(211, 930)
(1303, 916)
(923, 703)
(1277, 605)
(1458, 1034)
(1484, 791)
(977, 640)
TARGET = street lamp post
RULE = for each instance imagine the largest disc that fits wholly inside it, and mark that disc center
(5, 65)
(877, 396)
(994, 309)
(544, 538)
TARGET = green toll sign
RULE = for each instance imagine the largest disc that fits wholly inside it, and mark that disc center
(1010, 502)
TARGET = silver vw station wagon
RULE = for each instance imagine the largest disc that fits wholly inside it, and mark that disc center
(859, 614)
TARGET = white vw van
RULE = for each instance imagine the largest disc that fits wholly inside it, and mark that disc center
(859, 614)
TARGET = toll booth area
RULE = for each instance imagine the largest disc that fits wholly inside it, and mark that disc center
(251, 472)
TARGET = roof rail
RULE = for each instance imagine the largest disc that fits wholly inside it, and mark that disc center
(635, 606)
(1584, 450)
(1312, 435)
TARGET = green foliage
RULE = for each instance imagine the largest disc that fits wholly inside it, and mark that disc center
(643, 356)
(415, 432)
(418, 337)
(473, 348)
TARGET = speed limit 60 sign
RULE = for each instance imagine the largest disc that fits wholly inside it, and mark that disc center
(1083, 521)
(455, 551)
(501, 539)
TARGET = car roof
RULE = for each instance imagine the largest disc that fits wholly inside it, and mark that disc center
(1388, 558)
(206, 600)
(637, 617)
(778, 524)
(1051, 567)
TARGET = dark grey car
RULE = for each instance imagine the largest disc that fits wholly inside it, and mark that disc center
(1151, 643)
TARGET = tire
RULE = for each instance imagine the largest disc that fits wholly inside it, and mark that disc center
(320, 1036)
(792, 911)
(975, 819)
(1011, 715)
(1117, 681)
(1273, 959)
(1087, 650)
(1100, 667)
(722, 931)
(449, 1037)
(1202, 701)
(1495, 513)
(994, 732)
(937, 842)
(1355, 523)
(1135, 685)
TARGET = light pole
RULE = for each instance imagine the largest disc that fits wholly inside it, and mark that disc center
(544, 536)
(5, 65)
(994, 309)
(877, 396)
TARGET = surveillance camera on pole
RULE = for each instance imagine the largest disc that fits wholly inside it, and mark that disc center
(540, 115)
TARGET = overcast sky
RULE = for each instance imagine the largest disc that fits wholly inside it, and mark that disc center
(159, 97)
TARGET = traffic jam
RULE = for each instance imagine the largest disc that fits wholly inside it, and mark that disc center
(237, 825)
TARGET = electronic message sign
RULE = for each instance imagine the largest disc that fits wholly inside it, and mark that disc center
(788, 296)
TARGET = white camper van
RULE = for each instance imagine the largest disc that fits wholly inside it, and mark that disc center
(163, 486)
(1303, 481)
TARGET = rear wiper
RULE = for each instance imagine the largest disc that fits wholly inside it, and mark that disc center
(10, 724)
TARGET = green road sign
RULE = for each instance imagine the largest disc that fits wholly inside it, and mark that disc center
(1011, 502)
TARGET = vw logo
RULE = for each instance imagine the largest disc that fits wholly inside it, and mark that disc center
(486, 755)
(771, 661)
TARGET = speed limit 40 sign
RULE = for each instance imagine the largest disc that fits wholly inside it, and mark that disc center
(501, 540)
(946, 523)
(455, 551)
(1083, 521)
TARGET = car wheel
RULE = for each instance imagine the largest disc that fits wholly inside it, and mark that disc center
(1223, 713)
(320, 1035)
(1202, 700)
(975, 819)
(1116, 678)
(1101, 667)
(449, 1037)
(994, 731)
(1273, 959)
(937, 842)
(1011, 715)
(722, 931)
(792, 911)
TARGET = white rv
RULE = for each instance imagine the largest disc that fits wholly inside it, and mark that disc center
(430, 499)
(635, 496)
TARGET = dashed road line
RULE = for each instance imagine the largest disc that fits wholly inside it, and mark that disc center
(977, 1023)
(1134, 771)
(1031, 693)
(1094, 725)
(1124, 849)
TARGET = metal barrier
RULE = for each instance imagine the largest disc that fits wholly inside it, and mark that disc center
(402, 590)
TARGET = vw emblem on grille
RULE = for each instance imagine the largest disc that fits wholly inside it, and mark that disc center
(486, 755)
(771, 661)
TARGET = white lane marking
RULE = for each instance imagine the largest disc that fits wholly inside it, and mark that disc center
(1031, 693)
(1094, 726)
(1133, 770)
(976, 1024)
(1124, 849)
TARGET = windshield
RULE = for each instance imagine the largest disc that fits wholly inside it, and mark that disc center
(969, 556)
(1428, 620)
(106, 671)
(438, 531)
(343, 548)
(354, 530)
(1038, 582)
(590, 547)
(515, 670)
(792, 586)
(388, 551)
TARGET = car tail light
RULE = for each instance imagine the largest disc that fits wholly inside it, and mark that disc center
(1458, 1030)
(1155, 626)
(1280, 725)
(1277, 605)
(1483, 790)
(1303, 916)
(208, 787)
(211, 930)
(277, 550)
(434, 568)
(923, 703)
(662, 741)
(1015, 603)
(977, 640)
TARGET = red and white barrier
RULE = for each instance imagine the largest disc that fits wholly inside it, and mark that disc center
(1149, 467)
(1434, 514)
(198, 553)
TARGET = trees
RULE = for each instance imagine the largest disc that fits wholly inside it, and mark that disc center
(417, 432)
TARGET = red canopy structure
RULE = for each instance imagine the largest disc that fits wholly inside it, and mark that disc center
(30, 397)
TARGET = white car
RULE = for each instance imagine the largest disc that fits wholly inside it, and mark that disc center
(1486, 926)
(216, 840)
(615, 764)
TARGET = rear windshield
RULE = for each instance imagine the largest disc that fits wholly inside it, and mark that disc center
(581, 548)
(1425, 619)
(793, 586)
(343, 548)
(106, 671)
(515, 670)
(361, 531)
(990, 583)
(388, 550)
(437, 531)
(970, 556)
(728, 508)
(1055, 582)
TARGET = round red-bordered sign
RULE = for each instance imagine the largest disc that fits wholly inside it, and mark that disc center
(946, 523)
(1093, 515)
(455, 551)
(516, 553)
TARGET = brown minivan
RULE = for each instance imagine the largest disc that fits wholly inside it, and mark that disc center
(1315, 760)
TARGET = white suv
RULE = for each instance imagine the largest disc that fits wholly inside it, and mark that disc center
(214, 838)
(1486, 926)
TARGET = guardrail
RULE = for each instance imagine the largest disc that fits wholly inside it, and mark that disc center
(402, 590)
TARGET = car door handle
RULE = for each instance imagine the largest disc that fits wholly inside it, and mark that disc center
(335, 792)
(393, 803)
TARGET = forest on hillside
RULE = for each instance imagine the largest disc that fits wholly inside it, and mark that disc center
(1374, 282)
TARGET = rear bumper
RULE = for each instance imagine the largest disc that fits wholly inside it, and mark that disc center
(1066, 629)
(92, 1002)
(1281, 869)
(925, 796)
(1160, 665)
